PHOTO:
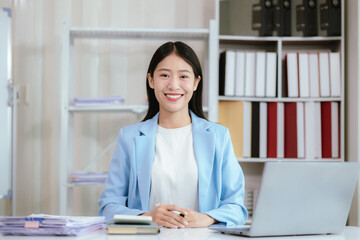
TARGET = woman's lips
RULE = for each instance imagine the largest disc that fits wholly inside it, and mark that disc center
(173, 97)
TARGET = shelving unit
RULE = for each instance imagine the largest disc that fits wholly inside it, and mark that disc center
(263, 160)
(278, 99)
(70, 34)
(232, 40)
(281, 45)
(126, 33)
(137, 109)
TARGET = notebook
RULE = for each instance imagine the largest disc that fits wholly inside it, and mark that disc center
(129, 224)
(132, 219)
(129, 229)
(301, 198)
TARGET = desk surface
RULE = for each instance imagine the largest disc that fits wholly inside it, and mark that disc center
(350, 233)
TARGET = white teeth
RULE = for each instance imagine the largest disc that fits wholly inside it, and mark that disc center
(173, 96)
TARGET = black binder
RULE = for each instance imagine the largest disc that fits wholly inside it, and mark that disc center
(255, 129)
(330, 17)
(306, 18)
(263, 17)
(222, 63)
(282, 18)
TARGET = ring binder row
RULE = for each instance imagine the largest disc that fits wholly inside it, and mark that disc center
(306, 18)
(330, 19)
(263, 15)
(268, 17)
(282, 18)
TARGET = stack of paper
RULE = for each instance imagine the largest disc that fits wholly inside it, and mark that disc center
(49, 225)
(97, 101)
(88, 177)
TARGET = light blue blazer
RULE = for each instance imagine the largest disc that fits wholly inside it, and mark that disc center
(221, 180)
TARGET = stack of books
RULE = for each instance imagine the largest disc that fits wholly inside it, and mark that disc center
(49, 225)
(128, 225)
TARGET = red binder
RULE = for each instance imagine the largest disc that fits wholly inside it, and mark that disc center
(326, 129)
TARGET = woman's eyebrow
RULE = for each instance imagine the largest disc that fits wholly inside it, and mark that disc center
(168, 70)
(164, 69)
(184, 71)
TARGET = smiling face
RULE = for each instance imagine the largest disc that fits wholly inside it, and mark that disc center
(173, 82)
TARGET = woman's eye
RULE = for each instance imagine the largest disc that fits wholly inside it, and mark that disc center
(183, 76)
(164, 75)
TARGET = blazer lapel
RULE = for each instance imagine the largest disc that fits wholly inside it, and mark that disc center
(204, 147)
(144, 150)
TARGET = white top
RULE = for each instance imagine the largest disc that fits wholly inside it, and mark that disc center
(174, 174)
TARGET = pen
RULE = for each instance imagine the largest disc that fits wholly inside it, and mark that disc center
(180, 214)
(176, 212)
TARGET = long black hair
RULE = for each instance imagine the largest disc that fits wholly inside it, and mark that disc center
(189, 56)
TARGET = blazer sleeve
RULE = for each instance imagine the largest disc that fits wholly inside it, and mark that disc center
(231, 209)
(114, 198)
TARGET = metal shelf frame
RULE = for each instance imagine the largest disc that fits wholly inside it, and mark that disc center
(70, 34)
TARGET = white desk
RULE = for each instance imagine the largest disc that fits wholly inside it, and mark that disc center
(350, 233)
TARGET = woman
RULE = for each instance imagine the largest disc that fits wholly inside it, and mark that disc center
(175, 156)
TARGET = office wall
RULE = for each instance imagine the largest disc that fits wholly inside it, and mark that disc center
(5, 3)
(37, 29)
(352, 66)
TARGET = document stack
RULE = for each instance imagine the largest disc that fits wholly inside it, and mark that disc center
(98, 101)
(88, 177)
(49, 225)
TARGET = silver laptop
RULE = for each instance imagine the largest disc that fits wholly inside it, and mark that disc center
(298, 198)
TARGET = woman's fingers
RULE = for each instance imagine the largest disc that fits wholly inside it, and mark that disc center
(164, 216)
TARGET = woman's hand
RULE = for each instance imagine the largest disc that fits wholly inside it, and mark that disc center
(163, 216)
(197, 220)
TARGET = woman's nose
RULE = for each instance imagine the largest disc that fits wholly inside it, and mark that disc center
(173, 83)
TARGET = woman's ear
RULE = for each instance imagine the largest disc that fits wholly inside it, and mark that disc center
(150, 80)
(196, 83)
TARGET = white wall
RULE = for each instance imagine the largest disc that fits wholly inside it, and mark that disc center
(352, 91)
